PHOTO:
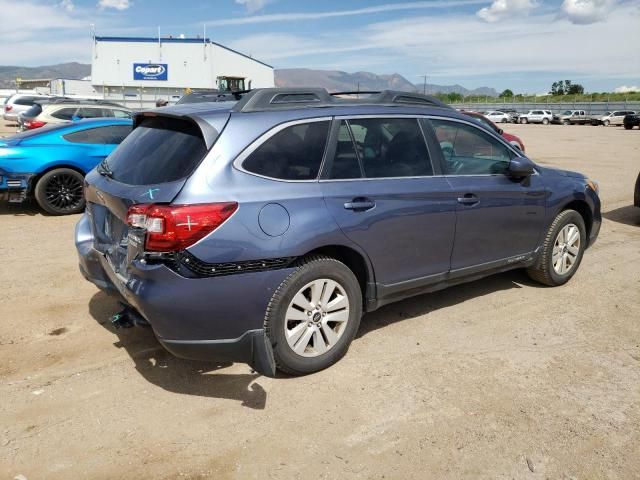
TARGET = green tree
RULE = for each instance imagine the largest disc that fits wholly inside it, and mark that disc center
(506, 94)
(454, 97)
(575, 89)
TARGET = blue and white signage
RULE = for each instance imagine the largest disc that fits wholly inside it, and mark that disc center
(150, 71)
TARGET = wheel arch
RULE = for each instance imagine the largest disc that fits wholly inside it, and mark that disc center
(36, 178)
(584, 210)
(358, 263)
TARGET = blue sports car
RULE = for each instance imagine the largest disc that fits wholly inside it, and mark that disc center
(50, 163)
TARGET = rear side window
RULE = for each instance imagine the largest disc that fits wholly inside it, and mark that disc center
(111, 135)
(118, 113)
(294, 153)
(379, 148)
(159, 150)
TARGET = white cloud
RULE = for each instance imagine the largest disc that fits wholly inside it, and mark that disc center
(115, 4)
(67, 5)
(299, 16)
(584, 12)
(627, 89)
(252, 6)
(458, 46)
(501, 9)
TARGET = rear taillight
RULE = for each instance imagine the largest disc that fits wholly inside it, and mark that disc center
(8, 108)
(34, 124)
(170, 228)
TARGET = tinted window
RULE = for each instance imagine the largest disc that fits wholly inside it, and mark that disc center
(294, 153)
(26, 100)
(345, 160)
(159, 150)
(64, 113)
(111, 135)
(391, 147)
(469, 151)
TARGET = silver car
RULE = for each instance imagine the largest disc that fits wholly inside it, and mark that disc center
(18, 103)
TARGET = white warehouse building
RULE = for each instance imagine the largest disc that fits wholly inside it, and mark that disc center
(139, 71)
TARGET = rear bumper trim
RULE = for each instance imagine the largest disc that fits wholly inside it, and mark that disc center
(252, 347)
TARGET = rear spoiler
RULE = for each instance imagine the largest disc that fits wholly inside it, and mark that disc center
(209, 132)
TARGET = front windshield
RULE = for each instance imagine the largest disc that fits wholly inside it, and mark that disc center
(567, 112)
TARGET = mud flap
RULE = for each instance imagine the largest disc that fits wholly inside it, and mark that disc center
(262, 359)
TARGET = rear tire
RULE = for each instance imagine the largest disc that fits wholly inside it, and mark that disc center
(60, 192)
(545, 121)
(314, 315)
(562, 250)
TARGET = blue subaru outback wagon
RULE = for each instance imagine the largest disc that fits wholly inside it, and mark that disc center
(260, 230)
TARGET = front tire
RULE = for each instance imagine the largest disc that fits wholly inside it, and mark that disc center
(60, 192)
(606, 123)
(524, 120)
(562, 250)
(314, 315)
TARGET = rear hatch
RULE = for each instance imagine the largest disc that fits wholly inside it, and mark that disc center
(149, 167)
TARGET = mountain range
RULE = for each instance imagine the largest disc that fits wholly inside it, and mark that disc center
(332, 80)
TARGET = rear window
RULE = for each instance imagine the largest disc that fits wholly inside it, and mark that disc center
(294, 153)
(27, 100)
(159, 150)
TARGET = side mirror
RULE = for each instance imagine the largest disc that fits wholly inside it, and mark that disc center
(520, 167)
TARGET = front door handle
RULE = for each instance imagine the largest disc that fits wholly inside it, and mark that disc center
(468, 199)
(360, 204)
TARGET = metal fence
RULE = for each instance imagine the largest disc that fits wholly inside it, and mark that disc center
(591, 108)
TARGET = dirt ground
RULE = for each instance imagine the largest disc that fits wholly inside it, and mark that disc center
(500, 378)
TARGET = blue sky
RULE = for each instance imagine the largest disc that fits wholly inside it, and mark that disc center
(520, 44)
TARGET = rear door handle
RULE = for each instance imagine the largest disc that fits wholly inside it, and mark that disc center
(468, 199)
(360, 204)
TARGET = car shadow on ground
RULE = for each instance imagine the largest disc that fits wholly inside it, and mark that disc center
(628, 215)
(173, 374)
(24, 209)
(429, 302)
(177, 375)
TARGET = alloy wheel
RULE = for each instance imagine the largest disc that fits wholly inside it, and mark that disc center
(64, 192)
(316, 317)
(566, 249)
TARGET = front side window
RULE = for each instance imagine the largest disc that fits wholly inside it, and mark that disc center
(469, 151)
(294, 153)
(384, 148)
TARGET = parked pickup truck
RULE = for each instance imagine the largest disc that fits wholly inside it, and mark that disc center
(572, 117)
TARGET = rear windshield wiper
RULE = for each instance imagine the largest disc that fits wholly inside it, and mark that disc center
(103, 169)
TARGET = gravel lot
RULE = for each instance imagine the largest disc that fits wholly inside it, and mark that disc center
(500, 378)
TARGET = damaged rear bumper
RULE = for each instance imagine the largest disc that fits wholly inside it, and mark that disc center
(193, 318)
(14, 187)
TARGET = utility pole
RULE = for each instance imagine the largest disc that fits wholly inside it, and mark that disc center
(424, 85)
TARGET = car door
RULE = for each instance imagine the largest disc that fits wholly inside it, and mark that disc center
(499, 219)
(382, 189)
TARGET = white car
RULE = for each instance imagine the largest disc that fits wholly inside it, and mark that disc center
(498, 117)
(536, 116)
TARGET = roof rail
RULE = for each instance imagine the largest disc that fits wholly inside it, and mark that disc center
(269, 99)
(79, 101)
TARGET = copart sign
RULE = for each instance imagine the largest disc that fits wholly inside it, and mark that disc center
(150, 71)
